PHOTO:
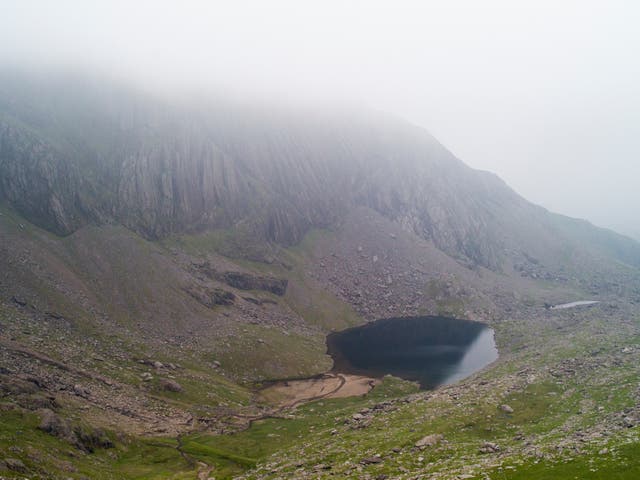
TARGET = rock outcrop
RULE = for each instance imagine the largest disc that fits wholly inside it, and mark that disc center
(113, 155)
(245, 281)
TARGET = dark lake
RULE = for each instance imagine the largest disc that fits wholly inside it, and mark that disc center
(431, 350)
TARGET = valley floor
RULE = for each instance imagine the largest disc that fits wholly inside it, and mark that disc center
(562, 401)
(119, 359)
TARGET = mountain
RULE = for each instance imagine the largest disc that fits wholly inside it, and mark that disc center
(76, 152)
(159, 256)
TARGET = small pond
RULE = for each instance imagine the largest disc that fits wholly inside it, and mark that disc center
(574, 304)
(431, 350)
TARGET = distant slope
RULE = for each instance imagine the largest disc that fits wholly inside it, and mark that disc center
(75, 151)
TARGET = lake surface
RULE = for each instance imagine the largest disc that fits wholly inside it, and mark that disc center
(574, 304)
(431, 350)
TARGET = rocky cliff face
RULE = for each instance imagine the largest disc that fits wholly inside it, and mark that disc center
(38, 182)
(73, 153)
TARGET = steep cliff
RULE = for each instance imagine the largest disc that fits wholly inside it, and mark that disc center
(75, 151)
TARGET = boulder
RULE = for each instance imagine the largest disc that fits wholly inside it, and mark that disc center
(14, 465)
(170, 385)
(489, 447)
(54, 425)
(245, 281)
(81, 391)
(19, 301)
(210, 297)
(37, 401)
(429, 441)
(506, 408)
(88, 438)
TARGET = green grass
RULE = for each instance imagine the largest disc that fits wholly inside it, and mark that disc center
(316, 305)
(265, 353)
(622, 464)
(548, 409)
(269, 436)
(238, 243)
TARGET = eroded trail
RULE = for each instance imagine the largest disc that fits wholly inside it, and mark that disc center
(289, 394)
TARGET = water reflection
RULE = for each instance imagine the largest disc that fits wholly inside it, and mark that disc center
(431, 350)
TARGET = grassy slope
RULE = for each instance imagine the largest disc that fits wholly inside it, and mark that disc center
(110, 254)
(549, 410)
(542, 439)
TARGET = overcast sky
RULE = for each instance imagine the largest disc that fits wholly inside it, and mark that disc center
(544, 93)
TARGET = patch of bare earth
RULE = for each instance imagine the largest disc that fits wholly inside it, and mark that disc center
(291, 393)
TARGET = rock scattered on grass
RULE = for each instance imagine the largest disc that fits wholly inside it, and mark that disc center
(489, 447)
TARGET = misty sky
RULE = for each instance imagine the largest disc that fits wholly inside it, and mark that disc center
(544, 93)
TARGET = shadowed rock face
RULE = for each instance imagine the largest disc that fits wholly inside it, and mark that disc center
(244, 281)
(44, 186)
(73, 152)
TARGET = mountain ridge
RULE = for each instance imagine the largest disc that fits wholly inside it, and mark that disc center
(162, 170)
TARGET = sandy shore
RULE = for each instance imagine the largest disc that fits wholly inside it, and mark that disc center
(291, 393)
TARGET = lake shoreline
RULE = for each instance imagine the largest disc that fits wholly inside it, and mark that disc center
(432, 351)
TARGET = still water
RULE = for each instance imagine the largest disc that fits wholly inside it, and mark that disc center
(431, 350)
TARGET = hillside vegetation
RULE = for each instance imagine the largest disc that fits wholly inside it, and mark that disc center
(162, 261)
